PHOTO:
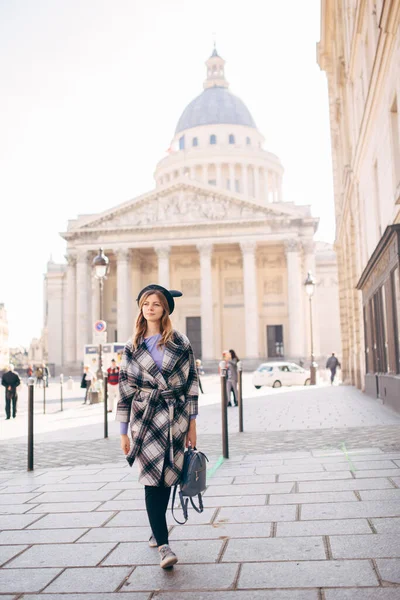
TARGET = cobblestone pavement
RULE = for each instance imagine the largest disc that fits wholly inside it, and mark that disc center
(294, 525)
(305, 419)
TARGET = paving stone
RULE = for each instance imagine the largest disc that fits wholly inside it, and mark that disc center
(363, 594)
(78, 496)
(241, 595)
(70, 487)
(396, 480)
(261, 550)
(386, 525)
(17, 521)
(338, 452)
(350, 510)
(106, 477)
(216, 501)
(41, 536)
(116, 505)
(315, 476)
(232, 471)
(330, 527)
(345, 484)
(326, 573)
(392, 494)
(377, 473)
(256, 514)
(126, 596)
(116, 534)
(90, 579)
(73, 520)
(314, 468)
(21, 489)
(357, 465)
(194, 551)
(389, 569)
(133, 494)
(7, 552)
(186, 577)
(25, 580)
(312, 497)
(382, 545)
(17, 509)
(248, 489)
(254, 479)
(195, 518)
(221, 530)
(123, 485)
(63, 507)
(62, 555)
(219, 480)
(283, 455)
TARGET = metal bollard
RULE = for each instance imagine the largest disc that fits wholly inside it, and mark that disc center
(31, 388)
(224, 409)
(44, 395)
(105, 406)
(240, 394)
(61, 390)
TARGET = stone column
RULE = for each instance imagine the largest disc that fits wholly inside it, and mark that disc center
(70, 310)
(310, 265)
(136, 286)
(207, 308)
(257, 183)
(245, 184)
(218, 170)
(192, 172)
(163, 265)
(232, 177)
(124, 307)
(251, 309)
(266, 184)
(205, 174)
(295, 293)
(95, 291)
(280, 198)
(82, 303)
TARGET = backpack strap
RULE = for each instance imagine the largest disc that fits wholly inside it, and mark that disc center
(184, 505)
(201, 507)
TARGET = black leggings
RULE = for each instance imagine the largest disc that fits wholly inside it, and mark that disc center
(157, 499)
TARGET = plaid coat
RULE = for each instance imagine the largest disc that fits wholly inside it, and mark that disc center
(158, 405)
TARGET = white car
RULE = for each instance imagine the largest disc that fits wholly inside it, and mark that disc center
(276, 374)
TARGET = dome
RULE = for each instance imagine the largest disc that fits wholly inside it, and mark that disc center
(215, 105)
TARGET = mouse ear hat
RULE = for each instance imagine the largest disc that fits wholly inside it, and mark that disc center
(169, 294)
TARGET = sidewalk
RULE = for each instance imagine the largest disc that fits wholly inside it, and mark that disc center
(321, 525)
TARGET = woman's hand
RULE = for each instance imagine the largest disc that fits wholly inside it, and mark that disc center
(191, 437)
(125, 444)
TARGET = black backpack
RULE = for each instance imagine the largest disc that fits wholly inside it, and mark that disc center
(192, 483)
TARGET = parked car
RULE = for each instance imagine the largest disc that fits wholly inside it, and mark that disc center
(276, 374)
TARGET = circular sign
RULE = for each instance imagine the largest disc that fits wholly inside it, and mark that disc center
(100, 326)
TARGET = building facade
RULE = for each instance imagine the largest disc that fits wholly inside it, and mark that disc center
(360, 53)
(216, 227)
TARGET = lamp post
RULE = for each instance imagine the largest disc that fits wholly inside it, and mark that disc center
(309, 284)
(100, 265)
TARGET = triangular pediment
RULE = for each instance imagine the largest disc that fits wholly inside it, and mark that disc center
(185, 204)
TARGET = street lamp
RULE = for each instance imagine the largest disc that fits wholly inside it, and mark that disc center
(100, 264)
(309, 284)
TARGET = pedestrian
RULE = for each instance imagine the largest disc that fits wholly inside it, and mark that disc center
(39, 375)
(29, 371)
(159, 399)
(88, 380)
(232, 379)
(112, 387)
(11, 381)
(200, 371)
(332, 363)
(46, 374)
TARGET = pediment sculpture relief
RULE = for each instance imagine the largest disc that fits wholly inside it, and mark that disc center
(180, 208)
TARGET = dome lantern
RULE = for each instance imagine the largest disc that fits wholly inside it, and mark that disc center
(215, 71)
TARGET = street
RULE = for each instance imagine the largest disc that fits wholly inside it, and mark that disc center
(307, 507)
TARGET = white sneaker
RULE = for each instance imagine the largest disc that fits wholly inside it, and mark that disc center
(153, 542)
(168, 558)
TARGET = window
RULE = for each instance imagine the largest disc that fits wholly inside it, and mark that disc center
(265, 368)
(212, 182)
(182, 143)
(228, 184)
(248, 141)
(213, 139)
(231, 138)
(237, 186)
(195, 141)
(394, 126)
(396, 311)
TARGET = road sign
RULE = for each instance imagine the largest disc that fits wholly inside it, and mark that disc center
(100, 326)
(100, 337)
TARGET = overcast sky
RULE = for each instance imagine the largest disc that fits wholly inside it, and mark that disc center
(91, 93)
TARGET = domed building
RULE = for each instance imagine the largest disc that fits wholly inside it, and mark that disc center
(216, 227)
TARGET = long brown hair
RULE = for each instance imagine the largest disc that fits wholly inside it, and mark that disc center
(141, 323)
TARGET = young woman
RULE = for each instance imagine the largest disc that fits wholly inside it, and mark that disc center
(159, 399)
(232, 381)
